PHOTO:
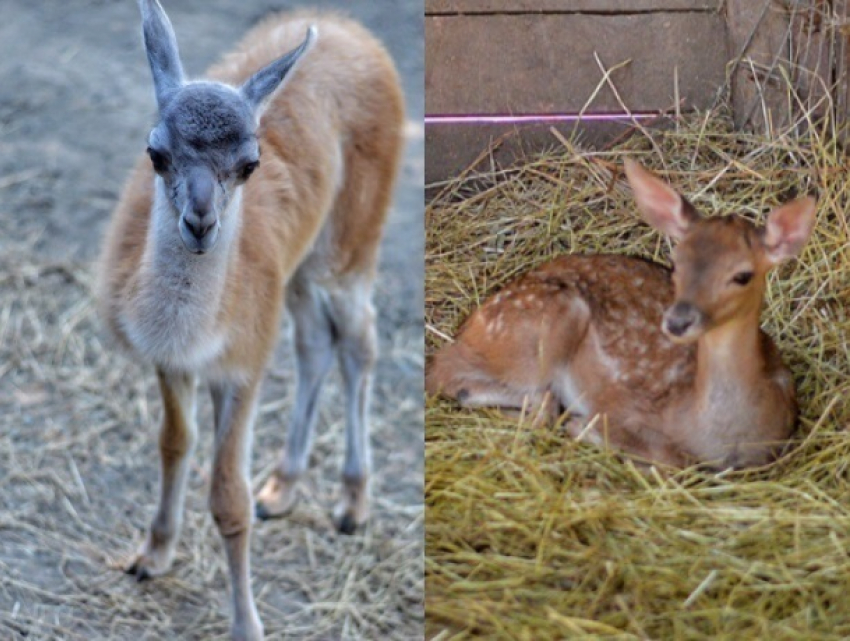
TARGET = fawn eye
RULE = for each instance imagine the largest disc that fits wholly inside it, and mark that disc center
(742, 278)
(159, 160)
(247, 169)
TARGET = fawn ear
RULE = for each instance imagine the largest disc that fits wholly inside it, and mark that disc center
(660, 204)
(161, 47)
(260, 87)
(788, 229)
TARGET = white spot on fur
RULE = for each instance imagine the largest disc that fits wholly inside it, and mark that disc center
(495, 324)
(498, 324)
(674, 374)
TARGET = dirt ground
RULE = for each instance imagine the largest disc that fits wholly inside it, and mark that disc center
(78, 421)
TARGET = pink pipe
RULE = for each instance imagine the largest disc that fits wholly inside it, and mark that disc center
(518, 119)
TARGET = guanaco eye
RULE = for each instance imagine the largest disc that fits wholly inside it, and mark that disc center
(159, 160)
(742, 278)
(248, 169)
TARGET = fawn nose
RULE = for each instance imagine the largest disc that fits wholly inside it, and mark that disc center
(681, 318)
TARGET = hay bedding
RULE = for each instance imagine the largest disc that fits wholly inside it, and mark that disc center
(533, 536)
(79, 484)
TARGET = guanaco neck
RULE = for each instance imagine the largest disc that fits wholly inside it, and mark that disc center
(169, 266)
(174, 318)
(730, 364)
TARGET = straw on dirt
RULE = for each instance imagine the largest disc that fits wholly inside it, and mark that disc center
(79, 483)
(533, 536)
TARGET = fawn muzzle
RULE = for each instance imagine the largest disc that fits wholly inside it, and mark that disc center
(683, 322)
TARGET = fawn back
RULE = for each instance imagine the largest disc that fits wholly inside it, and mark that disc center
(674, 361)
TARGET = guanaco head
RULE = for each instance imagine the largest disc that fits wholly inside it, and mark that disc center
(719, 264)
(204, 146)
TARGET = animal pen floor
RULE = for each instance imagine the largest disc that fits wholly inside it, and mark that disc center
(78, 420)
(530, 535)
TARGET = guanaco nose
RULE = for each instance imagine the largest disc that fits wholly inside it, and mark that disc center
(680, 318)
(200, 217)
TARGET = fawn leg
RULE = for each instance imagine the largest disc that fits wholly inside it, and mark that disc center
(646, 445)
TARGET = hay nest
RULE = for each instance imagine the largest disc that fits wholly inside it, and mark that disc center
(533, 536)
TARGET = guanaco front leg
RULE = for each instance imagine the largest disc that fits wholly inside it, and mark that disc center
(230, 497)
(176, 442)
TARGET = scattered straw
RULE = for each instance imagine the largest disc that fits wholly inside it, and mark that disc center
(79, 484)
(531, 536)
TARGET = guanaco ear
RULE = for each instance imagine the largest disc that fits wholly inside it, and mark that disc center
(660, 204)
(788, 229)
(260, 87)
(161, 47)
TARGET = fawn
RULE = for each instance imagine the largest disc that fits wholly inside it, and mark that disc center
(674, 361)
(209, 240)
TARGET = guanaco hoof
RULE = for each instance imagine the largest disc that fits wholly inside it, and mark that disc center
(347, 525)
(264, 514)
(140, 572)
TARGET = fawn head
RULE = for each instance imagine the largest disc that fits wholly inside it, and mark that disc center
(204, 146)
(719, 264)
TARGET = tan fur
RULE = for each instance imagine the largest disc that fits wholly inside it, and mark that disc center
(587, 329)
(312, 215)
(352, 98)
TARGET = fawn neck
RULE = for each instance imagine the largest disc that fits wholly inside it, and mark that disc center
(730, 362)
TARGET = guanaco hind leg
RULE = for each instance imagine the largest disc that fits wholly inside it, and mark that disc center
(329, 321)
(354, 318)
(315, 346)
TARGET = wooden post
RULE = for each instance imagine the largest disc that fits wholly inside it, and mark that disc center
(758, 48)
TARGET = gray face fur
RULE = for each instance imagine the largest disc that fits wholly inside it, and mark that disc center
(204, 146)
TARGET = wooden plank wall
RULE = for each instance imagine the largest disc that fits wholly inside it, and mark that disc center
(538, 57)
(524, 57)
